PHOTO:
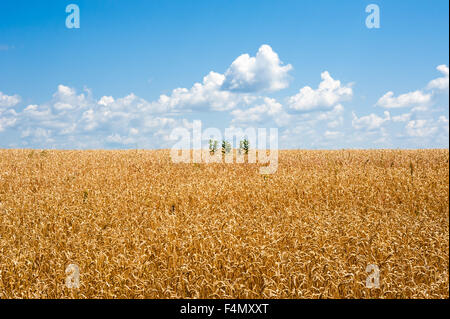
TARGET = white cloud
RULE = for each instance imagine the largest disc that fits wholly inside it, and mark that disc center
(264, 72)
(419, 99)
(270, 108)
(404, 100)
(71, 120)
(401, 118)
(334, 117)
(6, 122)
(106, 100)
(222, 92)
(369, 122)
(442, 82)
(329, 93)
(332, 134)
(117, 139)
(444, 122)
(66, 99)
(421, 128)
(9, 100)
(207, 94)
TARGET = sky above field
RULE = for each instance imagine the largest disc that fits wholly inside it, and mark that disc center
(135, 70)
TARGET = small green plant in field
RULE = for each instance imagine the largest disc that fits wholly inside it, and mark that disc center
(244, 146)
(213, 146)
(226, 147)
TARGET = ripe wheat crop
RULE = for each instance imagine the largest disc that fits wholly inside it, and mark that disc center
(139, 226)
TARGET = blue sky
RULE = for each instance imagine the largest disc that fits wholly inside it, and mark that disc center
(126, 78)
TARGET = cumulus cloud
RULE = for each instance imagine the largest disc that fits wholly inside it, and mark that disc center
(269, 109)
(428, 127)
(8, 100)
(117, 139)
(106, 100)
(332, 134)
(334, 117)
(208, 94)
(217, 92)
(8, 116)
(264, 72)
(401, 118)
(76, 120)
(419, 99)
(442, 82)
(329, 93)
(7, 119)
(311, 118)
(370, 122)
(444, 122)
(421, 128)
(222, 92)
(65, 98)
(404, 100)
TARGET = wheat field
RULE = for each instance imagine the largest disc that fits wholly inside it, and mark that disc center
(139, 226)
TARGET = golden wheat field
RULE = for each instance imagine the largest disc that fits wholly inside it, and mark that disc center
(139, 226)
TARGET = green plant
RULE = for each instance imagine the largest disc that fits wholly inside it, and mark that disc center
(226, 147)
(213, 146)
(244, 145)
